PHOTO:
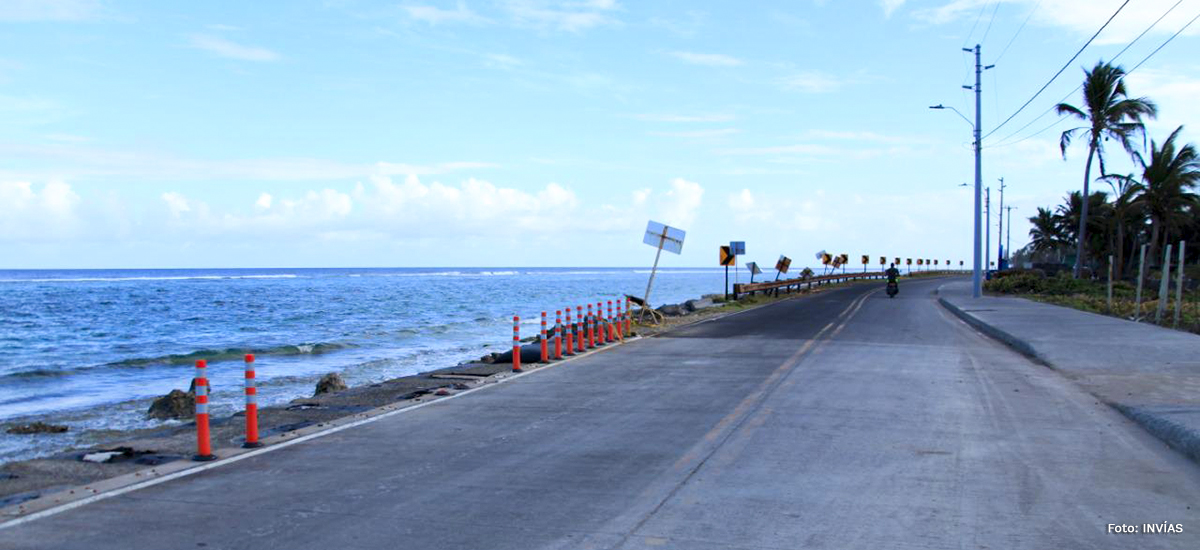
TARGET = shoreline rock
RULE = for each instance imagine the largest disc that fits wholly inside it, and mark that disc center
(330, 383)
(37, 428)
(175, 404)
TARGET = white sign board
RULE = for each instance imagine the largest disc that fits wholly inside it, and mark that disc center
(669, 238)
(753, 267)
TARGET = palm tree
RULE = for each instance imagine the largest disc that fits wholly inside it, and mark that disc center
(1126, 211)
(1046, 234)
(1070, 212)
(1110, 114)
(1165, 191)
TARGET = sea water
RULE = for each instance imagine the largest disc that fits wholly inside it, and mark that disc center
(91, 348)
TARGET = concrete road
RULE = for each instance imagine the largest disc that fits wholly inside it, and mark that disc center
(842, 420)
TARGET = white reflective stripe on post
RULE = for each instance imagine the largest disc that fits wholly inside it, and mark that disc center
(202, 389)
(251, 399)
(201, 408)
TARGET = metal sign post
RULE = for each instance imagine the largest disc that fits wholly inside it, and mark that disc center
(737, 248)
(782, 266)
(726, 258)
(754, 270)
(661, 237)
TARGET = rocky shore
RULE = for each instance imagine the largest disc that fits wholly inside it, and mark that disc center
(132, 451)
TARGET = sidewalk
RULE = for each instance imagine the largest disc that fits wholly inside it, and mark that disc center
(1150, 374)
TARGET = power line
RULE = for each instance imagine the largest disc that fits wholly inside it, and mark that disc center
(990, 21)
(1114, 58)
(1060, 71)
(1019, 29)
(977, 18)
(1164, 44)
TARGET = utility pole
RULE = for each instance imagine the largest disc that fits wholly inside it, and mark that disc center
(976, 276)
(987, 215)
(1008, 245)
(1000, 235)
(977, 291)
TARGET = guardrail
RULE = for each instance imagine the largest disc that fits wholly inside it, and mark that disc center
(788, 284)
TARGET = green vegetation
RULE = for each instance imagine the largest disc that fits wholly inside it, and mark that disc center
(1089, 295)
(1156, 206)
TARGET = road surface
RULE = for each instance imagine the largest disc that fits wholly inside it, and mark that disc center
(840, 420)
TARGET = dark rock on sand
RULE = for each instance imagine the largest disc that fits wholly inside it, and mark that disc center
(697, 305)
(37, 428)
(530, 353)
(176, 404)
(671, 310)
(330, 383)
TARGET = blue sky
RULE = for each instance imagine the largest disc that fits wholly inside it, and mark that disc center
(539, 132)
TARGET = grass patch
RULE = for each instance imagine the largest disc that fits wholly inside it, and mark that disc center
(1092, 296)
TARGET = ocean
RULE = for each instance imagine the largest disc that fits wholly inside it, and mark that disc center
(91, 348)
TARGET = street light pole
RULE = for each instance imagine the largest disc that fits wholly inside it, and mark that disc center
(1008, 245)
(1000, 235)
(987, 215)
(976, 276)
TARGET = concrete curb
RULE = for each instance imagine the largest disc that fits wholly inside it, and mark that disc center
(1175, 435)
(1004, 337)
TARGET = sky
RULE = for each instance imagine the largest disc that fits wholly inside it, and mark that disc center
(346, 133)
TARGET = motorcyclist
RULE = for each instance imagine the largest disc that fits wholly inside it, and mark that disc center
(892, 273)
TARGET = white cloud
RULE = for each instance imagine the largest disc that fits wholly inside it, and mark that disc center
(230, 49)
(699, 134)
(1175, 92)
(742, 201)
(35, 214)
(435, 15)
(1082, 17)
(71, 160)
(502, 60)
(570, 16)
(29, 109)
(313, 211)
(48, 10)
(708, 59)
(813, 82)
(177, 204)
(797, 149)
(681, 203)
(867, 136)
(652, 117)
(890, 6)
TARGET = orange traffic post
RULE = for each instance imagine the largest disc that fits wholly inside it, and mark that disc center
(619, 323)
(203, 444)
(542, 340)
(579, 329)
(596, 324)
(612, 334)
(516, 343)
(570, 330)
(558, 334)
(591, 332)
(628, 316)
(251, 406)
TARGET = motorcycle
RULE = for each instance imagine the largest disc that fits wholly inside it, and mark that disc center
(892, 289)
